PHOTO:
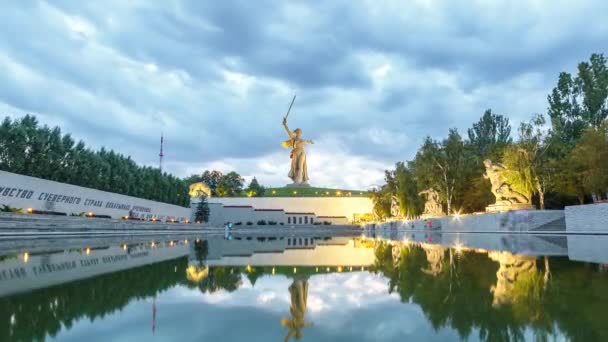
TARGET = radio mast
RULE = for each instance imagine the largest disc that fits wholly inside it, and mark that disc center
(161, 155)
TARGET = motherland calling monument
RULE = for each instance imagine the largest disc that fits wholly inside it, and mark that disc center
(299, 170)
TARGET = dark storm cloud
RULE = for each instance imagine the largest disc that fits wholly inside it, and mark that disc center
(216, 76)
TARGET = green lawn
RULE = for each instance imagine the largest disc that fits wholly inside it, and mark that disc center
(312, 192)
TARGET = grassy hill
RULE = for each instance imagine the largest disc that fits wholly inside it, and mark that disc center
(311, 192)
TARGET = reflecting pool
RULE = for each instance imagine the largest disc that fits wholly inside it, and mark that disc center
(386, 286)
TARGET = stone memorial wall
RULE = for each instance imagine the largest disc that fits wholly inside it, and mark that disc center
(26, 192)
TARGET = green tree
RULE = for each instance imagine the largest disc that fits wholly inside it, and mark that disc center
(534, 145)
(490, 131)
(579, 102)
(202, 210)
(382, 199)
(590, 159)
(445, 166)
(255, 189)
(230, 185)
(406, 190)
(212, 179)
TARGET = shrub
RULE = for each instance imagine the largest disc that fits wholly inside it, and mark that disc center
(8, 209)
(327, 223)
(317, 223)
(282, 224)
(249, 223)
(261, 222)
(272, 223)
(238, 223)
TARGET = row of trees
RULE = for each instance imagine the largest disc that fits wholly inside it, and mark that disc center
(28, 148)
(227, 185)
(558, 161)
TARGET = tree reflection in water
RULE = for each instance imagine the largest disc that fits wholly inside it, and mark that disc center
(498, 294)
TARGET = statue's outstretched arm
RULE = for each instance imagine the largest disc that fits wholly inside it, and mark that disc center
(287, 128)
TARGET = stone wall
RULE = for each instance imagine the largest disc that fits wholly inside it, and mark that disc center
(515, 221)
(587, 218)
(25, 192)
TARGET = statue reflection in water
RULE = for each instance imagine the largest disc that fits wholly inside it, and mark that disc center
(299, 295)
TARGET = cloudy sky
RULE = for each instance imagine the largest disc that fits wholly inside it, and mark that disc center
(372, 77)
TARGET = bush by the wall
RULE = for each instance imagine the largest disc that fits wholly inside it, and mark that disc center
(249, 223)
(272, 223)
(261, 222)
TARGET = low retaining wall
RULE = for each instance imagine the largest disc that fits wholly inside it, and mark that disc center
(587, 218)
(522, 220)
(25, 192)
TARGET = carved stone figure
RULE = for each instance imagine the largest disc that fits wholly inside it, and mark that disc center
(395, 207)
(432, 206)
(199, 189)
(299, 171)
(500, 187)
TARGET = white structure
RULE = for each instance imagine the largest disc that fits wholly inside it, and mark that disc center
(26, 192)
(587, 218)
(287, 210)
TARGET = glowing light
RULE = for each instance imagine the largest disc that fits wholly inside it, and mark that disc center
(274, 192)
(339, 193)
(88, 251)
(327, 193)
(273, 271)
(186, 241)
(328, 269)
(26, 256)
(339, 268)
(30, 210)
(350, 268)
(171, 243)
(481, 250)
(152, 244)
(295, 192)
(316, 269)
(458, 248)
(362, 268)
(124, 247)
(295, 270)
(90, 214)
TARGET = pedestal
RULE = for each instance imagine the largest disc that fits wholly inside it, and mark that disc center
(296, 185)
(503, 206)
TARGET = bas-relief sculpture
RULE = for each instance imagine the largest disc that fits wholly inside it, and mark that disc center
(432, 206)
(395, 207)
(506, 197)
(299, 171)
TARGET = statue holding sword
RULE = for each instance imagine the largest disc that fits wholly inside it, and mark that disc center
(299, 171)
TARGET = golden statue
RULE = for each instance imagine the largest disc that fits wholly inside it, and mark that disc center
(299, 171)
(299, 298)
(199, 189)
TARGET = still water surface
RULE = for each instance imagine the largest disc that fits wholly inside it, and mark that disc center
(391, 286)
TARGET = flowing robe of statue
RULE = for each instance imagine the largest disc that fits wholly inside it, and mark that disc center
(299, 171)
(299, 298)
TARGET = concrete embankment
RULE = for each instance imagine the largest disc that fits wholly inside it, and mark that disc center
(27, 226)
